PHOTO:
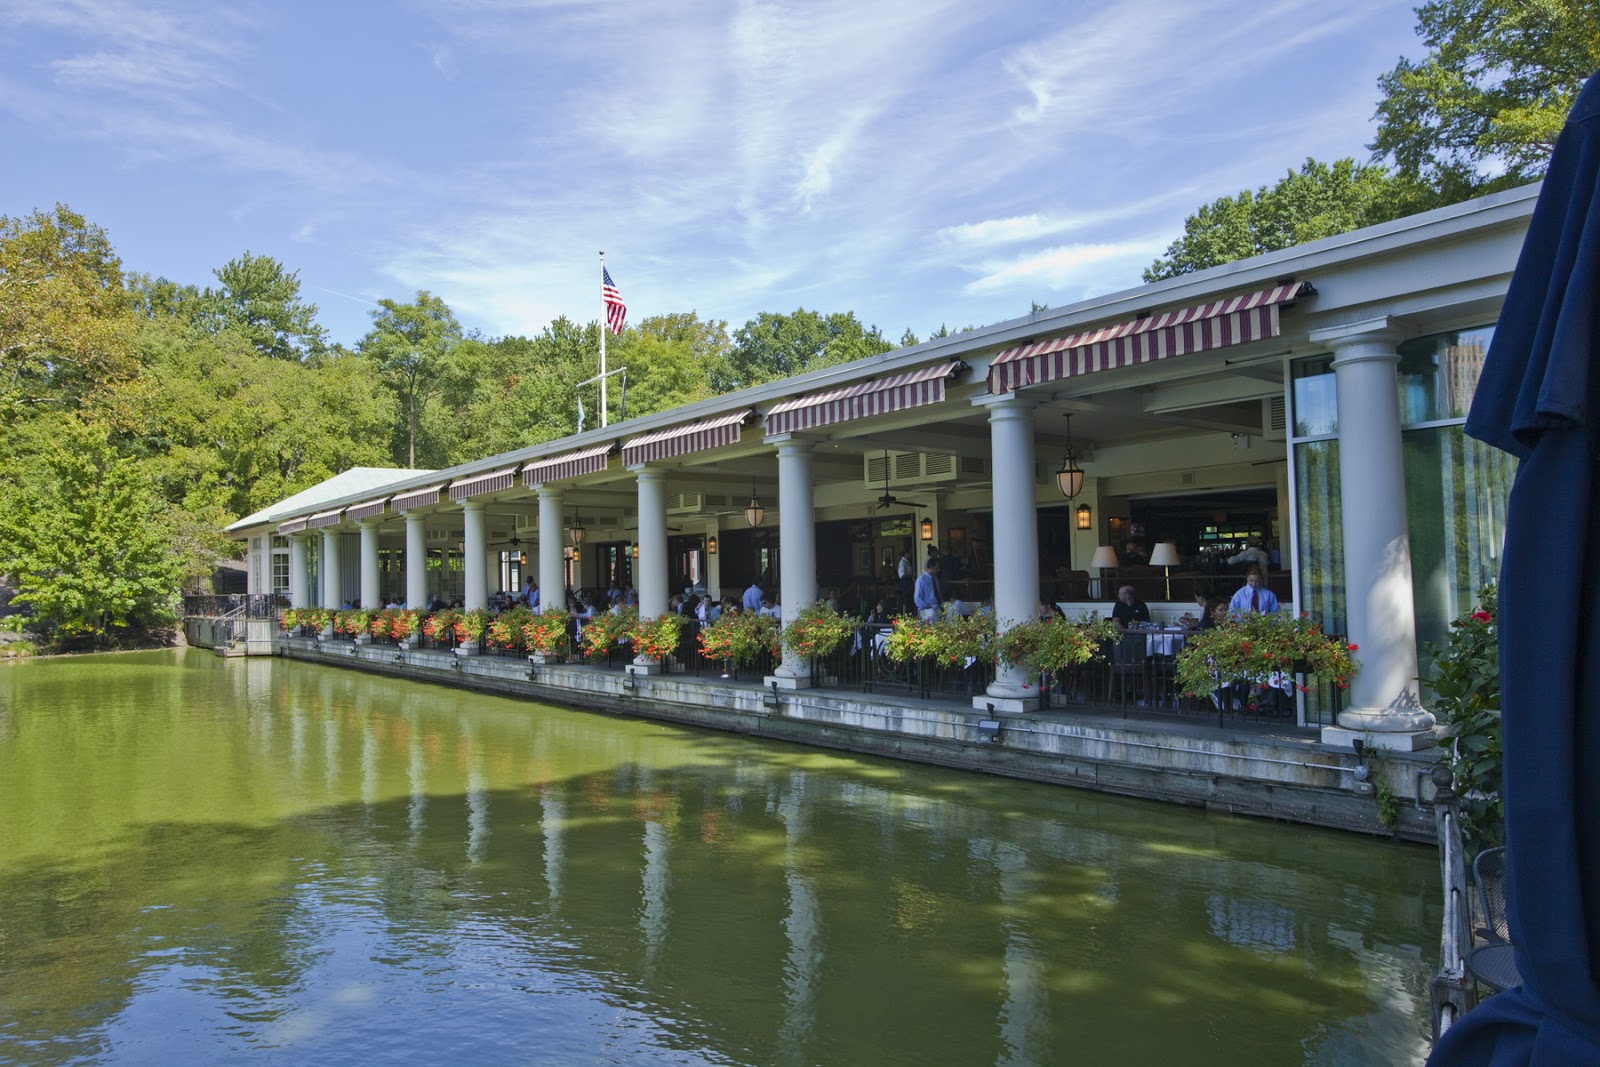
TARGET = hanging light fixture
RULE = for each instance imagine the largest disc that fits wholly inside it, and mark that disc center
(1085, 517)
(1069, 479)
(711, 545)
(522, 558)
(926, 528)
(576, 533)
(754, 513)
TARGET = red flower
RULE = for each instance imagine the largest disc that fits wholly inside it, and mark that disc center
(1354, 648)
(1482, 616)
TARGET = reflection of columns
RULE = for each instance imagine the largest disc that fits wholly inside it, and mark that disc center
(369, 763)
(330, 569)
(552, 579)
(553, 814)
(1022, 1015)
(802, 928)
(652, 569)
(1377, 548)
(417, 778)
(657, 876)
(299, 586)
(475, 541)
(371, 597)
(416, 561)
(797, 549)
(477, 806)
(1016, 541)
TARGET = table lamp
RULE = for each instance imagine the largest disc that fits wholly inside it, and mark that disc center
(1105, 557)
(1166, 555)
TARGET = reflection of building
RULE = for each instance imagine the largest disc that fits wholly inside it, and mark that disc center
(1290, 384)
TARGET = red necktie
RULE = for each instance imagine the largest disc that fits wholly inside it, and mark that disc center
(1255, 600)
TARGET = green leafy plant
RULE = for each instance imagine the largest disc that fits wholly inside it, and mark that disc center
(947, 641)
(403, 623)
(547, 633)
(603, 632)
(657, 638)
(441, 626)
(1466, 684)
(1253, 647)
(740, 638)
(289, 621)
(1045, 646)
(315, 620)
(818, 629)
(505, 629)
(352, 621)
(471, 625)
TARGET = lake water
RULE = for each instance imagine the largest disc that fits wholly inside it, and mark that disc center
(212, 861)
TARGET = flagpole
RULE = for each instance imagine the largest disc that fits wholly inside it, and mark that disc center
(602, 338)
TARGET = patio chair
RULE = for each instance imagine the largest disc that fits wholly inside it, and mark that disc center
(1489, 872)
(1128, 661)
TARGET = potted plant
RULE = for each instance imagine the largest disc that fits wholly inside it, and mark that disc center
(404, 627)
(818, 630)
(605, 631)
(1254, 649)
(545, 635)
(470, 627)
(738, 639)
(441, 627)
(656, 639)
(957, 642)
(290, 620)
(505, 629)
(1042, 647)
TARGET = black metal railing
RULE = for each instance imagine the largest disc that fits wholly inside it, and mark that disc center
(235, 605)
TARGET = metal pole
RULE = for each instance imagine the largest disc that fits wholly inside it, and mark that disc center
(603, 328)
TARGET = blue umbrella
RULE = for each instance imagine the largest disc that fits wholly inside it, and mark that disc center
(1539, 398)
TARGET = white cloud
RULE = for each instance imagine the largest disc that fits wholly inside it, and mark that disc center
(1068, 266)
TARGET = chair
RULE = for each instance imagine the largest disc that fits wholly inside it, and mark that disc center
(1489, 872)
(1128, 660)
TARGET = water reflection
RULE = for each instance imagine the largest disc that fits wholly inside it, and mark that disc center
(327, 867)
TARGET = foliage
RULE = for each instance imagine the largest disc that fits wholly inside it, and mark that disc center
(547, 632)
(772, 346)
(311, 620)
(83, 534)
(289, 621)
(817, 630)
(948, 641)
(602, 633)
(1045, 646)
(408, 344)
(396, 623)
(505, 629)
(259, 300)
(657, 638)
(471, 625)
(1251, 647)
(1482, 110)
(1466, 687)
(1319, 200)
(740, 638)
(353, 621)
(441, 626)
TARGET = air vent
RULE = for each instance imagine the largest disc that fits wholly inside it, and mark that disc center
(1274, 419)
(908, 468)
(1186, 478)
(974, 466)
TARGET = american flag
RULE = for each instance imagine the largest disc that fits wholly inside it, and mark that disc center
(616, 310)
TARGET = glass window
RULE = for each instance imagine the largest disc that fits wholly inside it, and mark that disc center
(1438, 374)
(1315, 399)
(1320, 553)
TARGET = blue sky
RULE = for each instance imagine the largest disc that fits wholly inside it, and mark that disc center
(915, 161)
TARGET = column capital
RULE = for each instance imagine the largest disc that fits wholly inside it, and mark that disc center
(788, 444)
(646, 473)
(794, 437)
(1351, 342)
(472, 505)
(1006, 405)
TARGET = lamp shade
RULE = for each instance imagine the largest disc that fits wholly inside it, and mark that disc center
(577, 532)
(1069, 479)
(1165, 554)
(1104, 556)
(754, 513)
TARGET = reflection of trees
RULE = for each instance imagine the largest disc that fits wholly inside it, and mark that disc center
(1321, 550)
(427, 829)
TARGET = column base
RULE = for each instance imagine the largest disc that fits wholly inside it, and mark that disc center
(644, 665)
(1005, 705)
(1393, 740)
(786, 681)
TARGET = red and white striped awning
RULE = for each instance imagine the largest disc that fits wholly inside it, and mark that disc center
(416, 498)
(913, 389)
(370, 510)
(1219, 324)
(292, 526)
(324, 518)
(567, 465)
(682, 440)
(479, 484)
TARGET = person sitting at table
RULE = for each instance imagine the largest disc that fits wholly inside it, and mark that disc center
(1215, 614)
(1254, 594)
(1129, 609)
(879, 615)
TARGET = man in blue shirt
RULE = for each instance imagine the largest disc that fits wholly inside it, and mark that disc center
(752, 597)
(1254, 594)
(925, 596)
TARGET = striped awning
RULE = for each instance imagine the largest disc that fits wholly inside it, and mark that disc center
(567, 465)
(324, 518)
(416, 498)
(1219, 324)
(878, 397)
(682, 440)
(292, 526)
(370, 510)
(479, 484)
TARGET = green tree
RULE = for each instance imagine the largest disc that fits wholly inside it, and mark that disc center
(1319, 200)
(84, 536)
(64, 315)
(1481, 111)
(409, 344)
(261, 300)
(772, 346)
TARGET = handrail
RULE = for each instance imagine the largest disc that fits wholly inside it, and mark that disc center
(1452, 992)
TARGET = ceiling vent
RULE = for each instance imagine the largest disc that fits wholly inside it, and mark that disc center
(907, 468)
(1274, 421)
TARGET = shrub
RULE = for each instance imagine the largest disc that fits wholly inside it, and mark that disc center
(1466, 685)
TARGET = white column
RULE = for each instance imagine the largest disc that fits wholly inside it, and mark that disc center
(1016, 541)
(491, 567)
(371, 596)
(797, 549)
(1385, 705)
(416, 561)
(714, 561)
(652, 568)
(330, 569)
(475, 538)
(299, 587)
(552, 577)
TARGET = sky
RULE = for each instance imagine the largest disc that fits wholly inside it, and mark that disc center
(917, 162)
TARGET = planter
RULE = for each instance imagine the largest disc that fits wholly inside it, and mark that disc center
(363, 639)
(544, 659)
(411, 642)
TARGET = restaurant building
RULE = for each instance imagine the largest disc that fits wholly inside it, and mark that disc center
(1308, 403)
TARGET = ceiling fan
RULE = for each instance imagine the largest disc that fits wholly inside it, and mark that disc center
(888, 499)
(515, 542)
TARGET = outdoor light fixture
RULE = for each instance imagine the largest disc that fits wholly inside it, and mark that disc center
(635, 551)
(576, 533)
(711, 546)
(1085, 517)
(754, 513)
(1166, 556)
(927, 529)
(1069, 479)
(522, 558)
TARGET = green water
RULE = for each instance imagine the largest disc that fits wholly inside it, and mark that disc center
(207, 861)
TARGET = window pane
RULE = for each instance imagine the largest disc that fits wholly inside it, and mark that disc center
(1316, 402)
(1439, 373)
(1320, 552)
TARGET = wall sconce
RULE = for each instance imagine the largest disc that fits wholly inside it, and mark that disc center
(576, 533)
(577, 554)
(926, 529)
(635, 551)
(754, 513)
(522, 558)
(1069, 479)
(1085, 517)
(711, 546)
